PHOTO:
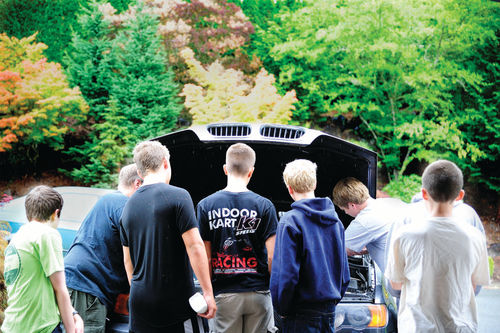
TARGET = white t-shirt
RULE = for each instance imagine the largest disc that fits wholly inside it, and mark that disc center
(371, 226)
(437, 260)
(461, 211)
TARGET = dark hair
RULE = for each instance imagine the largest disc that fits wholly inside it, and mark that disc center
(240, 158)
(41, 202)
(443, 180)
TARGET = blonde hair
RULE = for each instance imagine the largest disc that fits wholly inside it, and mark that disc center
(149, 155)
(300, 175)
(350, 190)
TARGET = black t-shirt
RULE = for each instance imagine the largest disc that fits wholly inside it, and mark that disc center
(152, 224)
(237, 224)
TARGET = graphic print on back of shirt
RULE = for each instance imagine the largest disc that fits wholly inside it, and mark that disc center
(236, 256)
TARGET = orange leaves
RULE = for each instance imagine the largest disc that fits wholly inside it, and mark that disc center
(35, 98)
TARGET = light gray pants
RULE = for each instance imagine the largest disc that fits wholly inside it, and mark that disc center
(246, 312)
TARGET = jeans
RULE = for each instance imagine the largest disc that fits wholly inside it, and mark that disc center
(318, 318)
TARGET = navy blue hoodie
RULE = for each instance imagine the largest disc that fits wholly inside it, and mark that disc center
(310, 262)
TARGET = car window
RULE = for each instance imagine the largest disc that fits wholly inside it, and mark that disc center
(77, 205)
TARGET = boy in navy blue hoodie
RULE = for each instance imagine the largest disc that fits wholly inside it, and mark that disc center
(310, 271)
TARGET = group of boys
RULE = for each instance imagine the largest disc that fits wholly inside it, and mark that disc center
(147, 236)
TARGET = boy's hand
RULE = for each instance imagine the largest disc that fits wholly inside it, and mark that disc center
(211, 307)
(78, 323)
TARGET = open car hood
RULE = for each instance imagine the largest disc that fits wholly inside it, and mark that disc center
(198, 154)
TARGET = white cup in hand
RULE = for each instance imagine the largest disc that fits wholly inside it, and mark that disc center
(198, 303)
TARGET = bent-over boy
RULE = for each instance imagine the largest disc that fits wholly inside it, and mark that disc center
(95, 274)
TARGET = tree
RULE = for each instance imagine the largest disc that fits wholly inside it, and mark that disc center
(225, 95)
(131, 92)
(392, 67)
(143, 87)
(90, 60)
(54, 20)
(213, 29)
(36, 102)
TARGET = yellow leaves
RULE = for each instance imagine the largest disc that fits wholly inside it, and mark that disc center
(228, 95)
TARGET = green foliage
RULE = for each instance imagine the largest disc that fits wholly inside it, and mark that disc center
(54, 20)
(406, 71)
(90, 59)
(404, 188)
(142, 86)
(103, 155)
(491, 265)
(131, 93)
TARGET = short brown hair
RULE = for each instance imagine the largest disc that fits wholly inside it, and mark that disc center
(41, 202)
(300, 175)
(443, 180)
(348, 190)
(149, 155)
(240, 159)
(128, 175)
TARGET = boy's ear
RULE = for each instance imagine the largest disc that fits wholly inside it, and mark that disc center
(425, 194)
(460, 195)
(55, 215)
(250, 173)
(224, 167)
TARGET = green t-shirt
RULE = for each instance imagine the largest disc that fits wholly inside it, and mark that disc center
(34, 253)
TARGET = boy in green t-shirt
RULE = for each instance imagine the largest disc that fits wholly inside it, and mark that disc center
(34, 271)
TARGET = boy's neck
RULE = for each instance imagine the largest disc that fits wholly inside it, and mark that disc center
(236, 184)
(439, 209)
(155, 177)
(299, 196)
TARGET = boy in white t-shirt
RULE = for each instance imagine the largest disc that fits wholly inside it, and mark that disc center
(438, 261)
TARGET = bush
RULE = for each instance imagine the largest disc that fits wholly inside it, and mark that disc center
(405, 187)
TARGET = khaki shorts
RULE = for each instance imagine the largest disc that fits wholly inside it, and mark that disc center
(92, 311)
(246, 312)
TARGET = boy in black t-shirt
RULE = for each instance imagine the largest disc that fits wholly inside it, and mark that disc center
(238, 227)
(160, 239)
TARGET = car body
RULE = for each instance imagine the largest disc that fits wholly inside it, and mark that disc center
(197, 155)
(78, 201)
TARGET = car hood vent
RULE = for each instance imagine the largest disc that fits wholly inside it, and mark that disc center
(281, 132)
(229, 130)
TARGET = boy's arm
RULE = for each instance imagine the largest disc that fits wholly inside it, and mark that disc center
(72, 323)
(198, 257)
(208, 249)
(285, 270)
(394, 270)
(270, 251)
(127, 262)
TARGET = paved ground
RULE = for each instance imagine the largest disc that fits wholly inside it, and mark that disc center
(488, 303)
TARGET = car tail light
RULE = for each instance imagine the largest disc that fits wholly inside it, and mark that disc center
(379, 315)
(121, 305)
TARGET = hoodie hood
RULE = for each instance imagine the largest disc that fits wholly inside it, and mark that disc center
(318, 210)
